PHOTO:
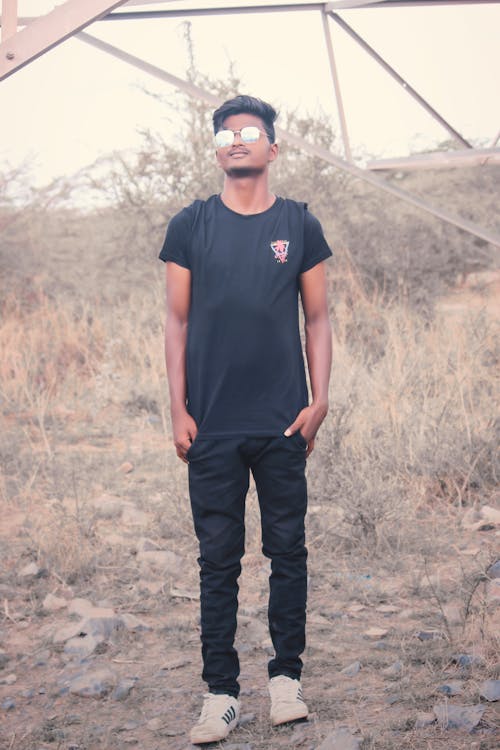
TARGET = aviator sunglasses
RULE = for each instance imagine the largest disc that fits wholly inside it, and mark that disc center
(248, 134)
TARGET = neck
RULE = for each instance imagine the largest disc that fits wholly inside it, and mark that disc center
(247, 194)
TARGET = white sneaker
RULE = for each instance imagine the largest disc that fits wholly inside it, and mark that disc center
(219, 715)
(287, 703)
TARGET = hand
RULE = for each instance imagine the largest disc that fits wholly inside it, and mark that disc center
(185, 431)
(308, 421)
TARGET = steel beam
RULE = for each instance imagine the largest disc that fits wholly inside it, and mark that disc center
(50, 30)
(163, 75)
(135, 15)
(227, 10)
(355, 4)
(146, 2)
(310, 148)
(439, 159)
(495, 140)
(348, 4)
(9, 18)
(336, 86)
(385, 65)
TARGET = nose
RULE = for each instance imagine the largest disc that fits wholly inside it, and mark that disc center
(237, 134)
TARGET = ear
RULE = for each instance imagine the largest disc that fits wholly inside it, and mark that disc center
(273, 152)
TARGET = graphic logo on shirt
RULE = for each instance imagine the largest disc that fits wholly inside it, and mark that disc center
(280, 250)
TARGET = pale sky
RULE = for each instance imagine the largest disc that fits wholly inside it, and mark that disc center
(75, 103)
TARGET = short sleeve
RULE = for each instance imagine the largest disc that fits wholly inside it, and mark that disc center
(176, 245)
(316, 247)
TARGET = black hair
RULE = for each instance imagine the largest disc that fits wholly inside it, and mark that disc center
(247, 105)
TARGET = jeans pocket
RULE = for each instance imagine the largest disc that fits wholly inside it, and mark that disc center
(300, 439)
(189, 450)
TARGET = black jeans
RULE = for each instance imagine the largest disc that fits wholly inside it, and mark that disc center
(218, 484)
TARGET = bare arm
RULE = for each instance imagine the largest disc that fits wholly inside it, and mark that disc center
(178, 283)
(318, 351)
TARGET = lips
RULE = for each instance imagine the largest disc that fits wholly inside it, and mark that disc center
(236, 151)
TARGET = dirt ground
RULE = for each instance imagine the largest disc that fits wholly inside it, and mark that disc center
(82, 514)
(403, 616)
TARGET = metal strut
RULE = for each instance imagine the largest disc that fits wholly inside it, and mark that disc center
(385, 65)
(310, 148)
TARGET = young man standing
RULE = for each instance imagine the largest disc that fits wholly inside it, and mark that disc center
(236, 264)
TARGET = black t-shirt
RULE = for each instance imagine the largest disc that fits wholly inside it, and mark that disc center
(244, 362)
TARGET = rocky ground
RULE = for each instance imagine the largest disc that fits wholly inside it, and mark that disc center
(99, 632)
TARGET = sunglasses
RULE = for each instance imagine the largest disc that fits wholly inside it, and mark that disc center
(248, 134)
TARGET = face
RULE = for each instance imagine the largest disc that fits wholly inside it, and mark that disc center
(241, 159)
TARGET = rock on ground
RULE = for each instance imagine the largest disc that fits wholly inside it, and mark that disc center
(132, 623)
(458, 717)
(93, 684)
(424, 719)
(490, 689)
(375, 632)
(452, 687)
(429, 635)
(123, 689)
(394, 669)
(80, 647)
(340, 739)
(53, 603)
(465, 661)
(85, 608)
(494, 570)
(164, 560)
(97, 625)
(352, 669)
(10, 679)
(31, 570)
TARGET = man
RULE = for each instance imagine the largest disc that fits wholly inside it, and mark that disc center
(239, 402)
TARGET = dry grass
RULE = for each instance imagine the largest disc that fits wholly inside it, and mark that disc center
(409, 445)
(413, 417)
(412, 421)
(46, 353)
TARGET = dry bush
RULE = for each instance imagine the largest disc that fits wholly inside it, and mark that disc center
(81, 354)
(132, 368)
(44, 346)
(412, 421)
(63, 540)
(45, 350)
(411, 426)
(400, 249)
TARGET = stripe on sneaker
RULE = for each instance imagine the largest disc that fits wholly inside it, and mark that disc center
(229, 715)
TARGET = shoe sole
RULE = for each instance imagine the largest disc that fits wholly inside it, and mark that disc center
(207, 737)
(290, 719)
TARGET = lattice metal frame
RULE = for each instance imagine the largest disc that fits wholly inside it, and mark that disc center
(38, 35)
